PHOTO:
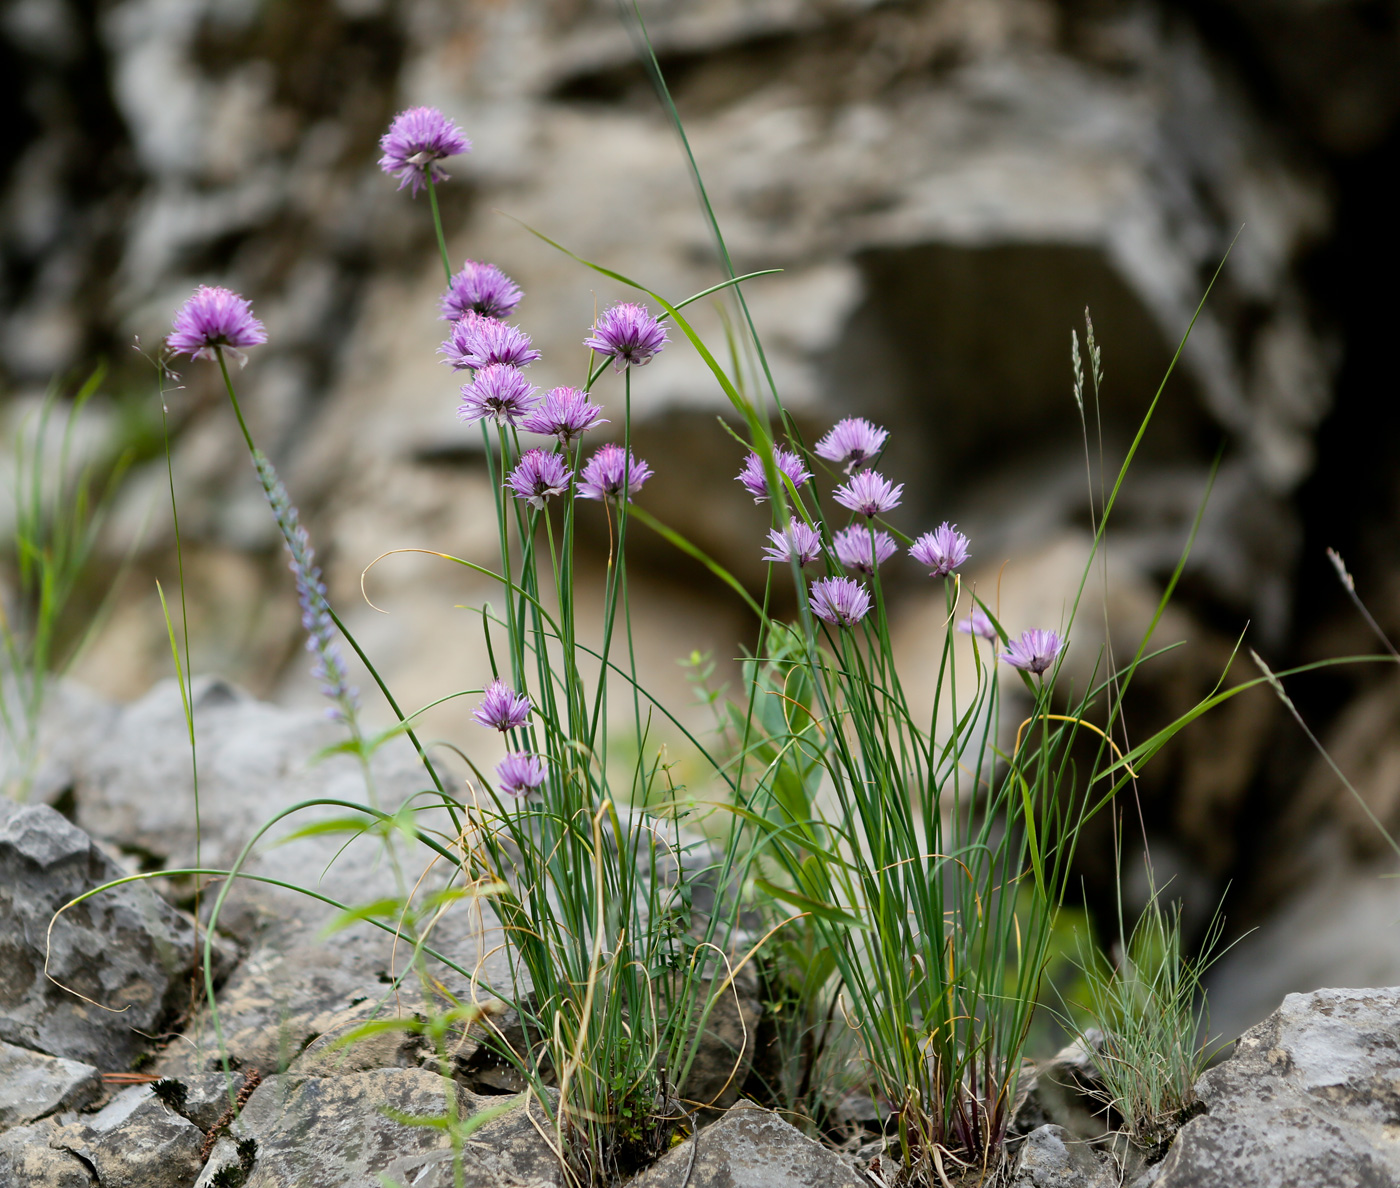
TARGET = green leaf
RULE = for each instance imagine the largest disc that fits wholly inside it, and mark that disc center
(331, 825)
(824, 911)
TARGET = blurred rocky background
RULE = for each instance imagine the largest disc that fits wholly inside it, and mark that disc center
(946, 185)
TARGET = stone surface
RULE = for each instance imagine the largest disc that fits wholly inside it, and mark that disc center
(752, 1147)
(223, 1159)
(1311, 1096)
(135, 1142)
(127, 949)
(326, 1132)
(1051, 1157)
(202, 1098)
(27, 1160)
(1064, 1090)
(33, 1085)
(1332, 929)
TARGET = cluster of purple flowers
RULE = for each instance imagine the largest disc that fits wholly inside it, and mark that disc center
(502, 708)
(477, 300)
(854, 443)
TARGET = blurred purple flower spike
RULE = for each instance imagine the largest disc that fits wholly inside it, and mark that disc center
(942, 550)
(215, 317)
(851, 443)
(479, 288)
(416, 141)
(502, 708)
(839, 601)
(1034, 652)
(629, 334)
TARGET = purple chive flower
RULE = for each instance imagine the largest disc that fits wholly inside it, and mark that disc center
(628, 333)
(942, 550)
(416, 141)
(799, 540)
(869, 494)
(215, 317)
(539, 474)
(851, 443)
(479, 288)
(478, 341)
(605, 474)
(839, 601)
(756, 482)
(502, 708)
(565, 413)
(1034, 652)
(977, 623)
(329, 668)
(498, 393)
(520, 773)
(863, 549)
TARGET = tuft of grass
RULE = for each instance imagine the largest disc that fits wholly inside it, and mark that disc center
(1149, 1008)
(58, 504)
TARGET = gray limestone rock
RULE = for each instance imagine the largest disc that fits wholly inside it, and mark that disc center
(1311, 1096)
(33, 1086)
(135, 1141)
(27, 1160)
(328, 1132)
(126, 949)
(222, 1160)
(1052, 1158)
(754, 1148)
(202, 1098)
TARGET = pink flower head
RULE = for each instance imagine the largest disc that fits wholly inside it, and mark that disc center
(869, 494)
(851, 443)
(611, 471)
(977, 623)
(565, 413)
(1034, 652)
(215, 317)
(942, 550)
(502, 708)
(628, 333)
(839, 601)
(479, 288)
(756, 481)
(798, 540)
(499, 393)
(416, 141)
(863, 549)
(538, 475)
(478, 341)
(520, 773)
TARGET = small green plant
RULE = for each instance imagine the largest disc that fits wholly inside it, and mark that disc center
(58, 503)
(1149, 1008)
